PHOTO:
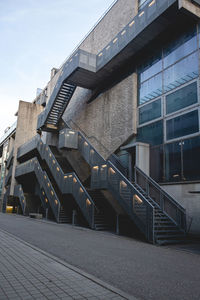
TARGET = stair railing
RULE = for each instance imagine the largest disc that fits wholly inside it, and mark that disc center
(67, 183)
(18, 192)
(33, 165)
(112, 157)
(5, 199)
(140, 210)
(161, 198)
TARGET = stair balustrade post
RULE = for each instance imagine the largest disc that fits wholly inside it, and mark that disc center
(161, 201)
(117, 225)
(93, 211)
(46, 213)
(74, 214)
(147, 187)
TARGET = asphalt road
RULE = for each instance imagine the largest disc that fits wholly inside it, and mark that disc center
(140, 269)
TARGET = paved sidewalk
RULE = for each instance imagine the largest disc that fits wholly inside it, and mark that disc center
(145, 271)
(27, 273)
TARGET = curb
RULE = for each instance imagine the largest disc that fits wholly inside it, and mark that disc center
(75, 269)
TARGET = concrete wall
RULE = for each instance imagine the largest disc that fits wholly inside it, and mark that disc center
(115, 20)
(26, 129)
(190, 201)
(110, 119)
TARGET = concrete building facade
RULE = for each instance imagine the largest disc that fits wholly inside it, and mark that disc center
(114, 137)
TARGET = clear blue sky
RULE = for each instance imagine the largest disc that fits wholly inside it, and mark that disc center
(37, 35)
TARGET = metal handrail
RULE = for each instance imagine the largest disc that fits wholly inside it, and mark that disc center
(33, 165)
(19, 193)
(61, 179)
(165, 202)
(149, 179)
(140, 210)
(111, 156)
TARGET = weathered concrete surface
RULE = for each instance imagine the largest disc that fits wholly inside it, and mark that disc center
(143, 270)
(114, 21)
(186, 196)
(26, 129)
(111, 118)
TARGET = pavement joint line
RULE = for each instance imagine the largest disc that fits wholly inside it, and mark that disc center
(75, 269)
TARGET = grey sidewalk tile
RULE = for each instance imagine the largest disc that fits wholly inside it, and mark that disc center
(28, 274)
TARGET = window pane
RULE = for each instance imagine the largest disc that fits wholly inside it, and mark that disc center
(181, 98)
(183, 125)
(156, 163)
(180, 48)
(173, 162)
(152, 134)
(150, 111)
(152, 67)
(191, 159)
(182, 72)
(150, 89)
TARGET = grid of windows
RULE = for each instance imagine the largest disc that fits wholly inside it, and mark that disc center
(177, 161)
(173, 66)
(181, 98)
(169, 109)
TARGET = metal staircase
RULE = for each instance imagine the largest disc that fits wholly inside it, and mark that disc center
(56, 106)
(161, 219)
(156, 214)
(67, 183)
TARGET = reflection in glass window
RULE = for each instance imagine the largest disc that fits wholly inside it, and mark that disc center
(191, 158)
(182, 125)
(173, 162)
(151, 68)
(150, 89)
(182, 72)
(150, 111)
(182, 98)
(151, 134)
(180, 48)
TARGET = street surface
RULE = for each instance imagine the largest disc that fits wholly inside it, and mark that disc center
(142, 270)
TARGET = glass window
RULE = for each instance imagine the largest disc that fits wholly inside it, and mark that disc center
(150, 89)
(173, 162)
(181, 98)
(191, 158)
(183, 125)
(180, 48)
(150, 111)
(182, 72)
(152, 134)
(152, 67)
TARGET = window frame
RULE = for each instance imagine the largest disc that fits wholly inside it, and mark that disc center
(182, 137)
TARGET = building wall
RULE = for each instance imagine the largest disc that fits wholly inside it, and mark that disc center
(26, 129)
(110, 119)
(117, 18)
(188, 195)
